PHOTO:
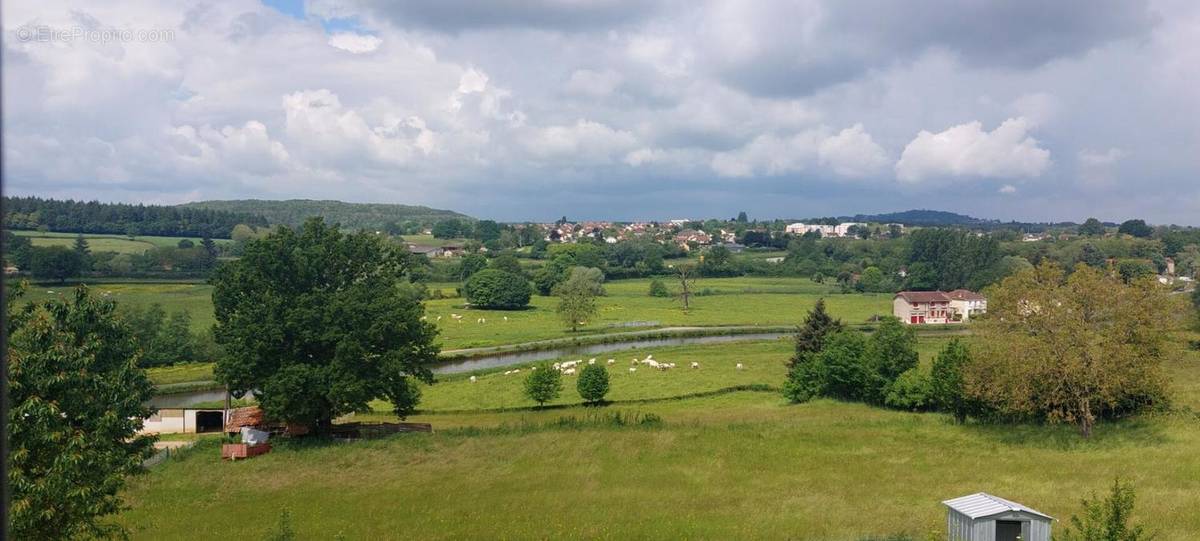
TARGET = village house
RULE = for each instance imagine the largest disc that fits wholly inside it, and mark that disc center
(937, 307)
(840, 230)
(683, 238)
(967, 303)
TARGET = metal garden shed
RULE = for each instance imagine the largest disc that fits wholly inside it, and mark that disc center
(983, 517)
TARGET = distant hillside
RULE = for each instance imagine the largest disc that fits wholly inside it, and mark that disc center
(293, 212)
(70, 216)
(923, 217)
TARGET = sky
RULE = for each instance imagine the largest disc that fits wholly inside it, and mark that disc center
(614, 109)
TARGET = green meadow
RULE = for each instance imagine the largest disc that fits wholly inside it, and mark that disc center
(121, 244)
(191, 297)
(716, 302)
(678, 454)
(627, 307)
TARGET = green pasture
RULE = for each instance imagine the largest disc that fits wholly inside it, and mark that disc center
(108, 243)
(194, 298)
(717, 301)
(737, 465)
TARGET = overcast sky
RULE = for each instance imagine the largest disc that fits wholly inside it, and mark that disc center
(618, 109)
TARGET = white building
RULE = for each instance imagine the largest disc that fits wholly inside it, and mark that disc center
(840, 230)
(967, 303)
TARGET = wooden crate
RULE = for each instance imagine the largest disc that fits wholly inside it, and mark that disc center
(234, 451)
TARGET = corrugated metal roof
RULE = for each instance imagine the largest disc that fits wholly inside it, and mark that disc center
(982, 504)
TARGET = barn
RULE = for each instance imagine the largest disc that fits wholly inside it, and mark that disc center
(983, 517)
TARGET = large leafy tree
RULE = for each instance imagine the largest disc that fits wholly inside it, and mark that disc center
(55, 262)
(577, 297)
(1072, 348)
(75, 405)
(316, 324)
(1091, 228)
(497, 289)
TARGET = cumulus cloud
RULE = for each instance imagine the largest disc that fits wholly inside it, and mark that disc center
(585, 142)
(966, 150)
(852, 153)
(355, 43)
(849, 153)
(425, 101)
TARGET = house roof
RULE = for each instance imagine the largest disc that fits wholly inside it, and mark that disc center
(982, 504)
(248, 416)
(965, 295)
(422, 249)
(923, 296)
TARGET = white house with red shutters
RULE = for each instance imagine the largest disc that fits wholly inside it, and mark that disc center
(937, 307)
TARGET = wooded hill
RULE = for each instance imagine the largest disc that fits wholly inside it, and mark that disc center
(72, 216)
(293, 212)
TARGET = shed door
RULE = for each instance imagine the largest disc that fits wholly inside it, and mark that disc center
(1008, 530)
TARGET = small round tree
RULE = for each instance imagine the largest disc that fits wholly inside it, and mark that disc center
(593, 383)
(498, 290)
(659, 289)
(543, 384)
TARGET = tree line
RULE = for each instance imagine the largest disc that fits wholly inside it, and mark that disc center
(35, 213)
(1054, 347)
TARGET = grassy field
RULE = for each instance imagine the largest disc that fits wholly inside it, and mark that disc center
(194, 298)
(107, 243)
(720, 301)
(181, 373)
(736, 465)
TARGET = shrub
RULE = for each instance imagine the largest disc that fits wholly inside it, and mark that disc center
(1107, 518)
(497, 289)
(593, 383)
(543, 384)
(910, 391)
(659, 289)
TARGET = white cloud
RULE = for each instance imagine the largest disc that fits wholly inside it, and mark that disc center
(583, 143)
(852, 153)
(966, 150)
(593, 83)
(355, 43)
(849, 153)
(1008, 189)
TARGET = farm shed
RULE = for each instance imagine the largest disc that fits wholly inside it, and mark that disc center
(184, 421)
(983, 517)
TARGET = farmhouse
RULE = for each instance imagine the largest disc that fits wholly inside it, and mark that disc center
(967, 303)
(983, 517)
(922, 307)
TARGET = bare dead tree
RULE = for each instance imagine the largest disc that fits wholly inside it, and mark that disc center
(687, 279)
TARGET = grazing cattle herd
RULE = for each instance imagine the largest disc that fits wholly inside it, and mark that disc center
(570, 368)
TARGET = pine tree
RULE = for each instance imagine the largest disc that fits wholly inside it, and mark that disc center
(810, 337)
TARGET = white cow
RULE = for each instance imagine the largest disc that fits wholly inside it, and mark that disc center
(739, 366)
(695, 364)
(472, 379)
